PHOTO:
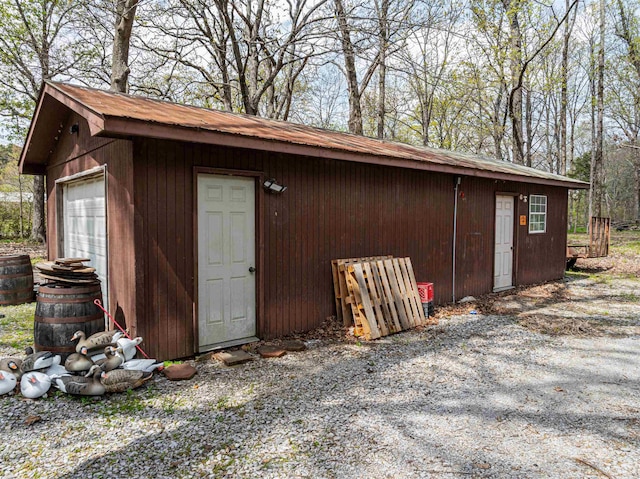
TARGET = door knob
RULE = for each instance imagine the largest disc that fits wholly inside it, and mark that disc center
(252, 269)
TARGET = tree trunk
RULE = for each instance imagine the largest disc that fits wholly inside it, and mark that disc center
(38, 219)
(21, 207)
(355, 110)
(636, 196)
(564, 67)
(224, 71)
(125, 15)
(528, 118)
(515, 106)
(383, 12)
(597, 160)
(251, 33)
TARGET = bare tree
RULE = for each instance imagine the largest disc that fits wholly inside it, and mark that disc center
(627, 111)
(564, 81)
(246, 55)
(512, 10)
(428, 64)
(353, 87)
(382, 9)
(35, 45)
(515, 96)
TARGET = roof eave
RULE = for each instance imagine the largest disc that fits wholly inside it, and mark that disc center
(126, 128)
(33, 160)
(22, 161)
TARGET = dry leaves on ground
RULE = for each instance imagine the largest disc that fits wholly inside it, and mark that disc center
(558, 326)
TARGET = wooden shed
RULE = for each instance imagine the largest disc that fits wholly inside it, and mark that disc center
(196, 252)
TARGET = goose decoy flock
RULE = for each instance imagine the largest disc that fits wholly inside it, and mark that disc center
(83, 373)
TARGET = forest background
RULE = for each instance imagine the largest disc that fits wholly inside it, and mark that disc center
(554, 85)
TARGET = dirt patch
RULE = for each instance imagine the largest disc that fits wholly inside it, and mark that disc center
(34, 250)
(623, 258)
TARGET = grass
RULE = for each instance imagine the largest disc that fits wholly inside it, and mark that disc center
(629, 248)
(16, 328)
(630, 297)
(620, 241)
(127, 403)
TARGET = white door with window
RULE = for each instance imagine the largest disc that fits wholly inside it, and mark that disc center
(226, 260)
(84, 223)
(503, 263)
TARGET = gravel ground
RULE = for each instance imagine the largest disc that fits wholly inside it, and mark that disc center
(478, 395)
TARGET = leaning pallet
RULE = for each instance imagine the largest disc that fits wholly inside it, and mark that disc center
(383, 296)
(338, 270)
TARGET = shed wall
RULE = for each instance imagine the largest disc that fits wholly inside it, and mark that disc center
(76, 153)
(331, 209)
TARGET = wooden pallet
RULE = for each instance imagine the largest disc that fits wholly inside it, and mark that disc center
(341, 293)
(383, 296)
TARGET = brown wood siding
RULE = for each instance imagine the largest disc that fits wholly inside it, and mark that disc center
(331, 209)
(75, 153)
(542, 256)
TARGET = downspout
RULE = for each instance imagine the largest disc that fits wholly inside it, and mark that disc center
(455, 235)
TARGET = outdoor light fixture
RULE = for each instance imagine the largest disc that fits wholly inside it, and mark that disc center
(272, 186)
(523, 198)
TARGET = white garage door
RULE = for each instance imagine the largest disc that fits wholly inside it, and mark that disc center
(85, 224)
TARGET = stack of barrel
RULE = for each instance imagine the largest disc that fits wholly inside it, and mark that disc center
(65, 304)
(16, 279)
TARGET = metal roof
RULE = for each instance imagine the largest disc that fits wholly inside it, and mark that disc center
(119, 115)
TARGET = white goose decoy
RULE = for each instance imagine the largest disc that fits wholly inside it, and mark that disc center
(56, 369)
(81, 385)
(8, 382)
(34, 384)
(147, 365)
(11, 365)
(96, 341)
(129, 346)
(35, 361)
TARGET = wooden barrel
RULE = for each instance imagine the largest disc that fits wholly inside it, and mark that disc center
(63, 310)
(16, 279)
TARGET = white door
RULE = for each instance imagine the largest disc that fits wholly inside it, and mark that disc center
(226, 260)
(503, 264)
(84, 216)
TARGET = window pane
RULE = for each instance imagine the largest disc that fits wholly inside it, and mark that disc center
(537, 213)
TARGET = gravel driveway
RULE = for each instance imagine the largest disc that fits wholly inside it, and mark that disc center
(478, 395)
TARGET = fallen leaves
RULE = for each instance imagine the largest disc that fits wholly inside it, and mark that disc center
(32, 419)
(559, 326)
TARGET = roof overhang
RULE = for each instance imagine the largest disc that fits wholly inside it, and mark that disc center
(55, 104)
(52, 110)
(126, 128)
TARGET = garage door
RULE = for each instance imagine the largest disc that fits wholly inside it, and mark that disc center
(85, 224)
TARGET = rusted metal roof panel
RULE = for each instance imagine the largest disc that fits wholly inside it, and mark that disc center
(125, 115)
